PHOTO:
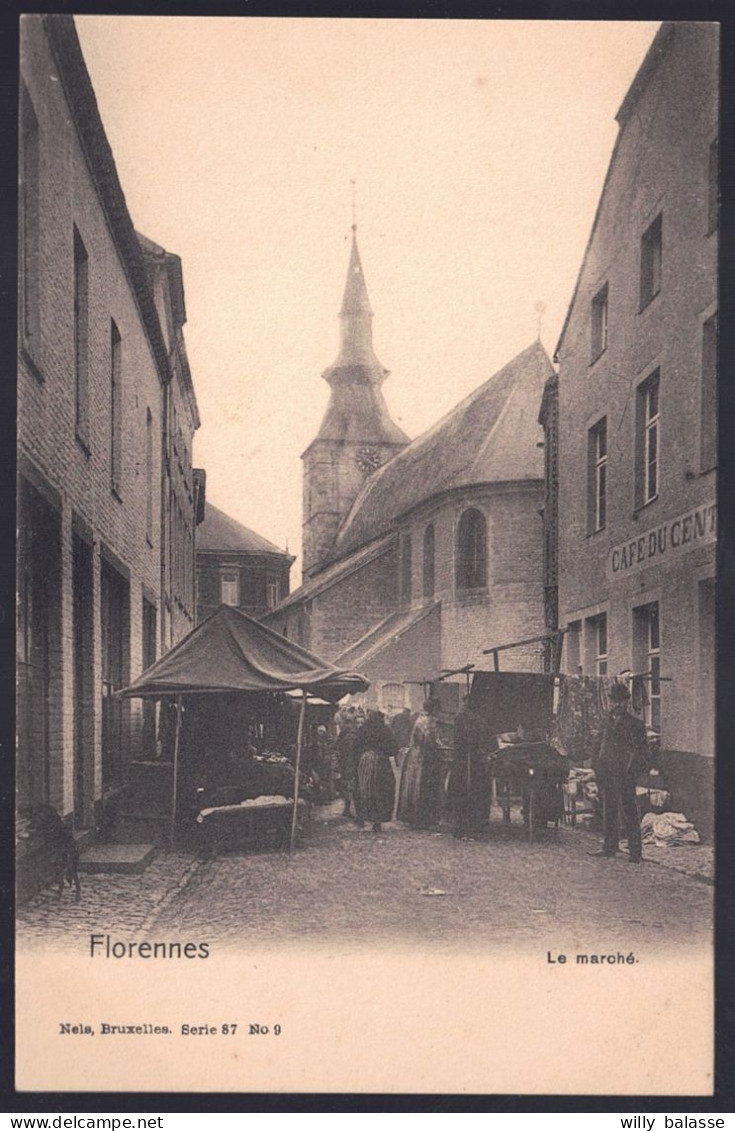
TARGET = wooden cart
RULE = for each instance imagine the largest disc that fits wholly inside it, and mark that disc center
(535, 772)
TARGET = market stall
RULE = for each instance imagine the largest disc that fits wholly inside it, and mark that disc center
(516, 709)
(542, 729)
(234, 673)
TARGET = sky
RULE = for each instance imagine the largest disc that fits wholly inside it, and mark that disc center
(477, 149)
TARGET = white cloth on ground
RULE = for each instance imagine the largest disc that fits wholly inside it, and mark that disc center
(668, 829)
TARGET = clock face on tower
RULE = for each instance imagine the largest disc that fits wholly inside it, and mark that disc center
(367, 459)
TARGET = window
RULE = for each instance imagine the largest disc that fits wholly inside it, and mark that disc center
(406, 568)
(597, 644)
(598, 324)
(393, 697)
(648, 435)
(705, 702)
(115, 408)
(597, 476)
(708, 434)
(149, 475)
(29, 223)
(229, 589)
(472, 550)
(647, 658)
(713, 195)
(654, 667)
(273, 592)
(651, 262)
(81, 337)
(571, 646)
(428, 579)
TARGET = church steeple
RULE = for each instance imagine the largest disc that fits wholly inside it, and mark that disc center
(357, 410)
(357, 433)
(356, 316)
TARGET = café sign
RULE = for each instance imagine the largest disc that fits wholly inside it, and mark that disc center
(672, 539)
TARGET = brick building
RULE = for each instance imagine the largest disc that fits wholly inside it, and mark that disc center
(101, 377)
(236, 566)
(636, 429)
(418, 555)
(182, 486)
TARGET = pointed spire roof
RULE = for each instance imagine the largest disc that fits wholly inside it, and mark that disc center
(355, 299)
(357, 411)
(356, 328)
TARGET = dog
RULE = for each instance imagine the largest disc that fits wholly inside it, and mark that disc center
(56, 856)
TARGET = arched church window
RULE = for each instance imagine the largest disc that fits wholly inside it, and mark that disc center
(406, 569)
(429, 561)
(472, 550)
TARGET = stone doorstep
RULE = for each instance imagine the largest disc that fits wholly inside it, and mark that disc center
(120, 858)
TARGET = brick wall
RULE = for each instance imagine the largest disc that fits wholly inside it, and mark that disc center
(79, 478)
(332, 480)
(661, 165)
(510, 608)
(253, 572)
(349, 609)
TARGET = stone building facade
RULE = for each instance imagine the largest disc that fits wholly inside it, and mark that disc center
(433, 549)
(95, 375)
(182, 486)
(637, 413)
(235, 566)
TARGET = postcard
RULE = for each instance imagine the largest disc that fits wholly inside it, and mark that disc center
(367, 460)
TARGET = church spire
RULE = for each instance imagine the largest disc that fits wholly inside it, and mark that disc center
(357, 433)
(355, 301)
(356, 409)
(356, 325)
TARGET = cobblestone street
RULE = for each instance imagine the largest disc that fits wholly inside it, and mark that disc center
(346, 885)
(124, 904)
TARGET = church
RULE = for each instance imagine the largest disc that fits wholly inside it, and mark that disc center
(419, 555)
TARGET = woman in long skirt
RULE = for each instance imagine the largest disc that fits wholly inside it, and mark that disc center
(422, 781)
(374, 795)
(348, 759)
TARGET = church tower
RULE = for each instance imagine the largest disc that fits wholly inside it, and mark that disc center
(357, 434)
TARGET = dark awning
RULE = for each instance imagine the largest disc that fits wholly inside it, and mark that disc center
(230, 651)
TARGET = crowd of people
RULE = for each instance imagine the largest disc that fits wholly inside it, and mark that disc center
(406, 768)
(403, 768)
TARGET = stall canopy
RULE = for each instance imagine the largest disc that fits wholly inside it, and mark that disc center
(230, 651)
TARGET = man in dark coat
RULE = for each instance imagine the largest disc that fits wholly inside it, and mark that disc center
(402, 725)
(468, 783)
(622, 754)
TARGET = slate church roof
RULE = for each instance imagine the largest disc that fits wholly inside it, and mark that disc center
(492, 436)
